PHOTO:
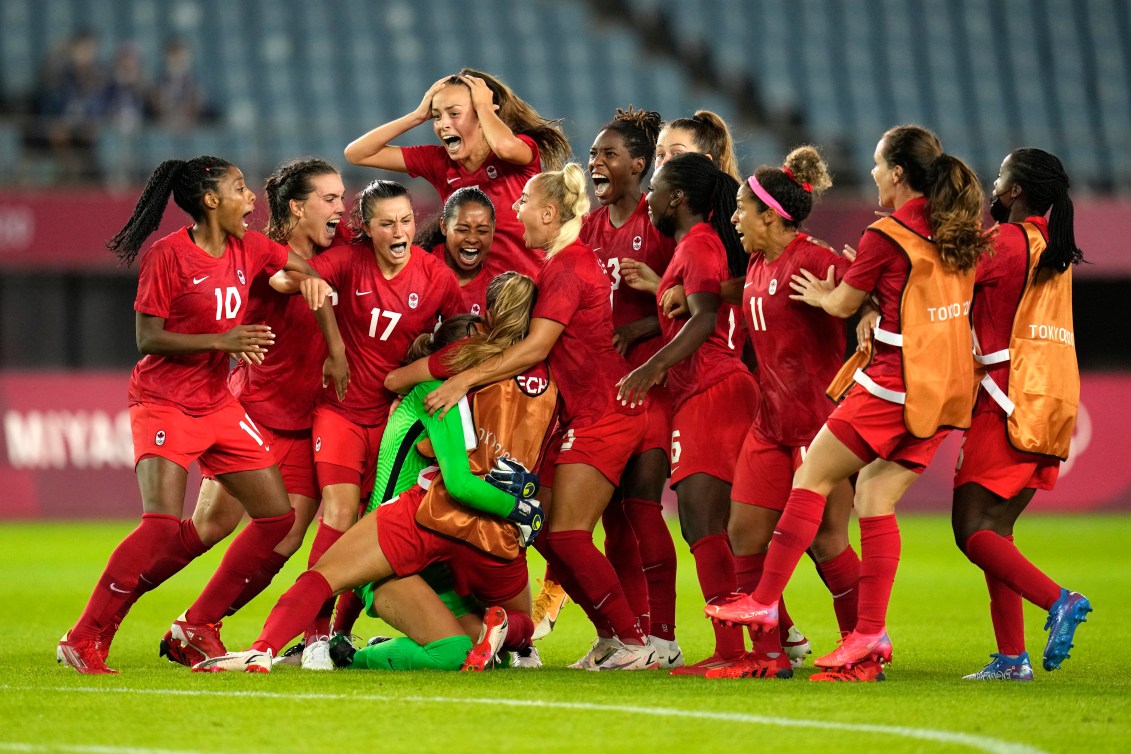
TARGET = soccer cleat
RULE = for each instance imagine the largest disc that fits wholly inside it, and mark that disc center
(251, 661)
(293, 655)
(1004, 668)
(713, 662)
(601, 649)
(755, 665)
(857, 647)
(342, 650)
(630, 657)
(742, 609)
(1070, 610)
(87, 656)
(866, 671)
(526, 657)
(668, 654)
(494, 631)
(547, 607)
(316, 656)
(192, 643)
(796, 646)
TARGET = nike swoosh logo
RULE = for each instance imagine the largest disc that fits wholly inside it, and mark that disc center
(198, 281)
(452, 180)
(747, 285)
(362, 293)
(114, 588)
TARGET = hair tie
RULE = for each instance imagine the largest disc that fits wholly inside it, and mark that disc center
(766, 199)
(804, 184)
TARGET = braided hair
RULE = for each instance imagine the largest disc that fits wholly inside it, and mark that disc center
(711, 194)
(187, 180)
(639, 130)
(1042, 177)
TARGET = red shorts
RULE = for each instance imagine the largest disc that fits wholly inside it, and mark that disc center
(293, 452)
(763, 475)
(988, 459)
(606, 445)
(873, 428)
(709, 428)
(349, 449)
(658, 432)
(225, 442)
(410, 548)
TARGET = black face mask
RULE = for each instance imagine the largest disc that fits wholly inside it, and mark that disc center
(999, 210)
(666, 224)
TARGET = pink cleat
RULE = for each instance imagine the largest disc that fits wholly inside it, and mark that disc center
(755, 665)
(192, 643)
(743, 609)
(867, 671)
(856, 648)
(482, 655)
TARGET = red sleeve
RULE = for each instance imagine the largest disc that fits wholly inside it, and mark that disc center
(709, 268)
(558, 294)
(429, 162)
(272, 256)
(873, 257)
(537, 160)
(155, 283)
(818, 260)
(437, 365)
(332, 264)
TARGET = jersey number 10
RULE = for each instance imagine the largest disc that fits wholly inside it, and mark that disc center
(227, 302)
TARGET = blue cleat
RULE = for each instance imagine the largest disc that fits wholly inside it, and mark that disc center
(1067, 612)
(1004, 668)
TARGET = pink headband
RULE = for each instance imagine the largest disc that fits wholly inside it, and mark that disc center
(766, 199)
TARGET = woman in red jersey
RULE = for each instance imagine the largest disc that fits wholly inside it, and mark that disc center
(573, 327)
(491, 139)
(799, 349)
(918, 264)
(462, 236)
(713, 392)
(190, 307)
(1026, 410)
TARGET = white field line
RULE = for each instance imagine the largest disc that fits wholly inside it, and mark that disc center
(980, 743)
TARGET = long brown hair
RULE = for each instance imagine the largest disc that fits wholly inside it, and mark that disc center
(712, 137)
(510, 300)
(954, 194)
(291, 180)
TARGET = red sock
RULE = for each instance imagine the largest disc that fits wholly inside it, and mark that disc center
(879, 559)
(155, 535)
(245, 555)
(792, 536)
(259, 580)
(785, 622)
(657, 558)
(346, 613)
(714, 564)
(999, 557)
(841, 575)
(294, 610)
(1007, 611)
(182, 550)
(624, 556)
(520, 629)
(324, 537)
(592, 582)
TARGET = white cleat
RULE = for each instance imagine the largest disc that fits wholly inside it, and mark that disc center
(526, 658)
(631, 657)
(316, 655)
(668, 654)
(251, 661)
(292, 656)
(796, 647)
(597, 654)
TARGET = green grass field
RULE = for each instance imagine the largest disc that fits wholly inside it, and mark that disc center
(938, 622)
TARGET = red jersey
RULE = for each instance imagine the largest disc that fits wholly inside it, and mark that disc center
(637, 239)
(474, 291)
(700, 266)
(799, 348)
(502, 181)
(380, 318)
(196, 293)
(881, 267)
(574, 291)
(998, 283)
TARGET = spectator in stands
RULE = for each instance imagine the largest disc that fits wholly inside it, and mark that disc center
(177, 99)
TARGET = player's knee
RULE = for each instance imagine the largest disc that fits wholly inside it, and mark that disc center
(449, 653)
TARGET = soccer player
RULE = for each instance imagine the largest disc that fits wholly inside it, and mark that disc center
(491, 139)
(462, 238)
(573, 327)
(918, 264)
(799, 349)
(713, 392)
(305, 198)
(704, 132)
(1026, 410)
(190, 309)
(483, 543)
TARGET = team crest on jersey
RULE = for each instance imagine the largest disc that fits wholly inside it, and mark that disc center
(475, 309)
(318, 443)
(413, 301)
(637, 242)
(239, 274)
(160, 437)
(773, 286)
(492, 173)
